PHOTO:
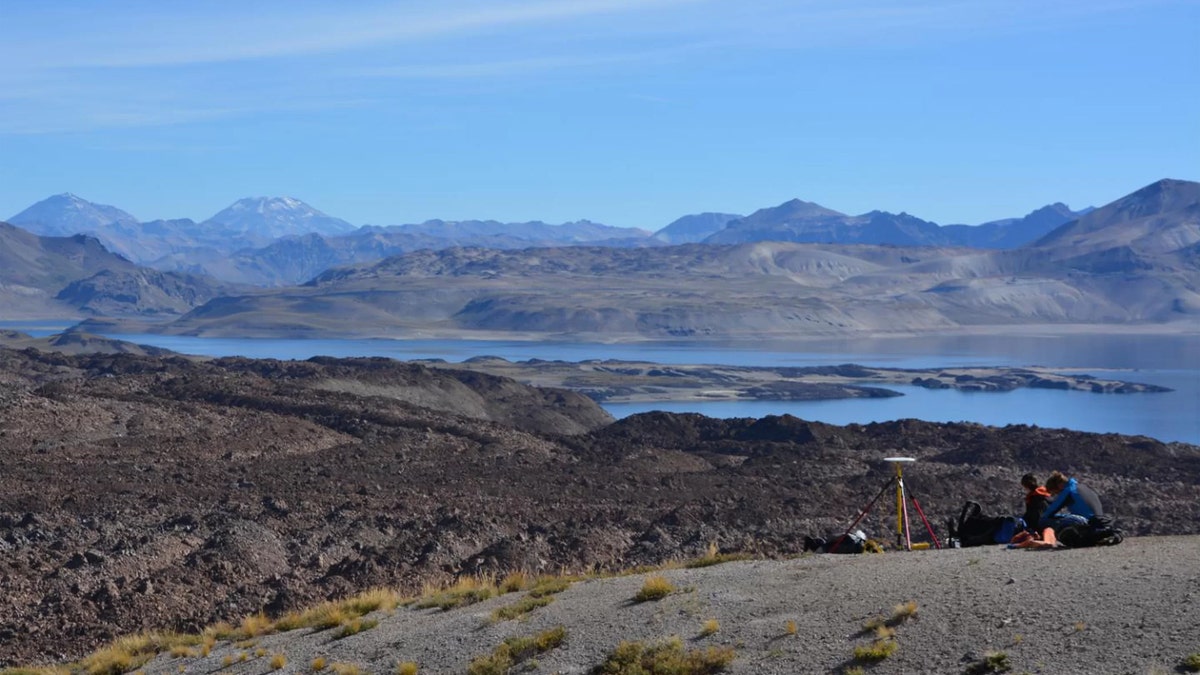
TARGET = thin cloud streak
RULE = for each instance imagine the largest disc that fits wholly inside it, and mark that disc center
(167, 41)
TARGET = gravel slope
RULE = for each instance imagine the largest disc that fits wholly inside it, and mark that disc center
(1132, 608)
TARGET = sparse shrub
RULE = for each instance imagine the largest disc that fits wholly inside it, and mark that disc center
(993, 662)
(318, 664)
(220, 631)
(520, 608)
(516, 649)
(278, 661)
(127, 653)
(321, 617)
(256, 625)
(885, 633)
(1191, 662)
(656, 587)
(515, 581)
(790, 627)
(339, 668)
(714, 557)
(853, 670)
(903, 612)
(465, 591)
(406, 668)
(227, 661)
(259, 653)
(667, 656)
(181, 651)
(243, 656)
(369, 601)
(709, 627)
(354, 627)
(549, 586)
(876, 651)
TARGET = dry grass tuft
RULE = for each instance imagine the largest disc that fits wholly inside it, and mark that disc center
(515, 581)
(406, 668)
(790, 627)
(278, 661)
(656, 587)
(181, 651)
(714, 557)
(515, 650)
(550, 585)
(709, 627)
(1191, 663)
(354, 627)
(127, 653)
(903, 612)
(667, 656)
(375, 599)
(256, 625)
(876, 651)
(318, 664)
(340, 668)
(993, 662)
(520, 608)
(464, 591)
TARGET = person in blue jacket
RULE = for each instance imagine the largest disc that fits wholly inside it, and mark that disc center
(1079, 502)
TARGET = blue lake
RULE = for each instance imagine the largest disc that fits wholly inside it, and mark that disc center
(1171, 361)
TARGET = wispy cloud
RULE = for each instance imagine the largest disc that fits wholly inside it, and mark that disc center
(215, 33)
(151, 63)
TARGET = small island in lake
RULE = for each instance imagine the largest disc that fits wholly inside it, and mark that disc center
(617, 381)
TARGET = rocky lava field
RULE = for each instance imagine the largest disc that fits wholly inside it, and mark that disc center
(142, 492)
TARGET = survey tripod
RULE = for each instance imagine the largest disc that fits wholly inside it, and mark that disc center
(903, 525)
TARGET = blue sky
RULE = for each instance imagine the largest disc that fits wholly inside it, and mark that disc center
(625, 112)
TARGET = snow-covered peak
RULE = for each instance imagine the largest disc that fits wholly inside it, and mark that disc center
(274, 217)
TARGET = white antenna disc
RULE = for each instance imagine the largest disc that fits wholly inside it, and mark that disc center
(899, 459)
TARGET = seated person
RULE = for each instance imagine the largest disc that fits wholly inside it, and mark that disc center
(1036, 500)
(1080, 503)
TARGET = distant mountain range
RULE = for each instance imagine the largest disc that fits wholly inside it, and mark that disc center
(1136, 260)
(283, 241)
(805, 222)
(1132, 261)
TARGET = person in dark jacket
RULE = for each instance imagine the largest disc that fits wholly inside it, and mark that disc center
(1080, 503)
(1036, 500)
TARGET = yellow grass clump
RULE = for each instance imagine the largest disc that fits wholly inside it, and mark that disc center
(668, 656)
(655, 587)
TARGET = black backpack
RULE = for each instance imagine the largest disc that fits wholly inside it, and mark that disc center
(975, 529)
(1099, 531)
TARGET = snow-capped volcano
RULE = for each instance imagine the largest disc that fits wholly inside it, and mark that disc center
(273, 217)
(66, 214)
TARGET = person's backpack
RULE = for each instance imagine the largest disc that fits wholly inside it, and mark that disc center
(975, 529)
(1098, 531)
